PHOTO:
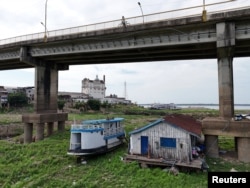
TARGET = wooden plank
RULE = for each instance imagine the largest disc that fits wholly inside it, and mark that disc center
(163, 162)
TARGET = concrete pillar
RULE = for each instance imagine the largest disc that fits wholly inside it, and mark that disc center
(61, 125)
(225, 52)
(46, 91)
(28, 130)
(212, 148)
(243, 147)
(46, 80)
(235, 144)
(39, 131)
(50, 127)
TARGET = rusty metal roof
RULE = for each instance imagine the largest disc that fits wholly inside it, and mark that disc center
(185, 122)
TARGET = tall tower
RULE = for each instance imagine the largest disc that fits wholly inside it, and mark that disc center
(125, 90)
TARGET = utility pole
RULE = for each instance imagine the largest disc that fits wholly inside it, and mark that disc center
(125, 90)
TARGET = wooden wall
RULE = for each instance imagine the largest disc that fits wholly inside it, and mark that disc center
(183, 149)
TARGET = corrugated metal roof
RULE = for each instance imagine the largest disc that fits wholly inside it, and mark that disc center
(185, 122)
(147, 126)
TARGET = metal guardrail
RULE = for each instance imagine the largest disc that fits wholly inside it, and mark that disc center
(167, 15)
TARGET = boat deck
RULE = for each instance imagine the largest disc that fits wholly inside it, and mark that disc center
(145, 161)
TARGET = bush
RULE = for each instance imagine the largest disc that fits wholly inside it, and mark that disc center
(60, 104)
(94, 104)
(17, 99)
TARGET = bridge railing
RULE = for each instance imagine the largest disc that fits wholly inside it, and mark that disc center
(167, 15)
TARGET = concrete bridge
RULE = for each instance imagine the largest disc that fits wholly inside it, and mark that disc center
(222, 35)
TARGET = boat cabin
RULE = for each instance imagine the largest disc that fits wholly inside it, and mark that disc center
(96, 136)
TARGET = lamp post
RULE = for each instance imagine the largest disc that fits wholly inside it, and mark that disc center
(45, 23)
(141, 11)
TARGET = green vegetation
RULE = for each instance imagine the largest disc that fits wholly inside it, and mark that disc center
(17, 99)
(60, 104)
(46, 163)
(94, 104)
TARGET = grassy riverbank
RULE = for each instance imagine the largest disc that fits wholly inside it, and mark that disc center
(46, 163)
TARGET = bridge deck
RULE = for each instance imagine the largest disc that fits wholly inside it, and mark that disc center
(174, 39)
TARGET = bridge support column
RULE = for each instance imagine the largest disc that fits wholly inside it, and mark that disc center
(39, 131)
(28, 129)
(243, 148)
(46, 91)
(61, 125)
(226, 94)
(223, 125)
(225, 51)
(212, 149)
(46, 79)
(50, 128)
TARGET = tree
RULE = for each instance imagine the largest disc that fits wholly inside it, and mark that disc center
(60, 104)
(94, 104)
(17, 99)
(81, 105)
(105, 104)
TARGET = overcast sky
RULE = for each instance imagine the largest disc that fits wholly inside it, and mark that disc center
(194, 81)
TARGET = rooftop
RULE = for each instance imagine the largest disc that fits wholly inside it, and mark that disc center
(185, 122)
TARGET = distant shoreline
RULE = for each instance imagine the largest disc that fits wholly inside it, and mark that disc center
(196, 104)
(201, 105)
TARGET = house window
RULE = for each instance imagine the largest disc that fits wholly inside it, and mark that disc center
(168, 142)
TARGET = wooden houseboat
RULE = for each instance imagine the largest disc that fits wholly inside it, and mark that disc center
(169, 141)
(93, 137)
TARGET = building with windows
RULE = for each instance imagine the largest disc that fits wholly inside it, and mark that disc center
(3, 96)
(94, 88)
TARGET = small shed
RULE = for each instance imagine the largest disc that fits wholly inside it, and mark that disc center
(170, 138)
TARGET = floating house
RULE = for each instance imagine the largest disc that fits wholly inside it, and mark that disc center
(172, 138)
(96, 136)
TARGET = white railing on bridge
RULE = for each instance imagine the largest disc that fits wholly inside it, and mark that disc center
(167, 15)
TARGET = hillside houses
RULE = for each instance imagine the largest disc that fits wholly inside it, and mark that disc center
(5, 91)
(3, 96)
(90, 89)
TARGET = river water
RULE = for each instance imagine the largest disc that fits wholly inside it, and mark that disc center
(216, 107)
(212, 106)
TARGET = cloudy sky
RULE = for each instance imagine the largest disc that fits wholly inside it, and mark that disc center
(194, 81)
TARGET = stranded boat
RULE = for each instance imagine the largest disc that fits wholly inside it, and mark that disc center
(96, 136)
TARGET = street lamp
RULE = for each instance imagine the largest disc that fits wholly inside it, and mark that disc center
(45, 23)
(141, 11)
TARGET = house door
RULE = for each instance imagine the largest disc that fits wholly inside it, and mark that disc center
(144, 145)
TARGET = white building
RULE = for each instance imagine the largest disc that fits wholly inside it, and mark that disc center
(3, 96)
(114, 99)
(94, 88)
